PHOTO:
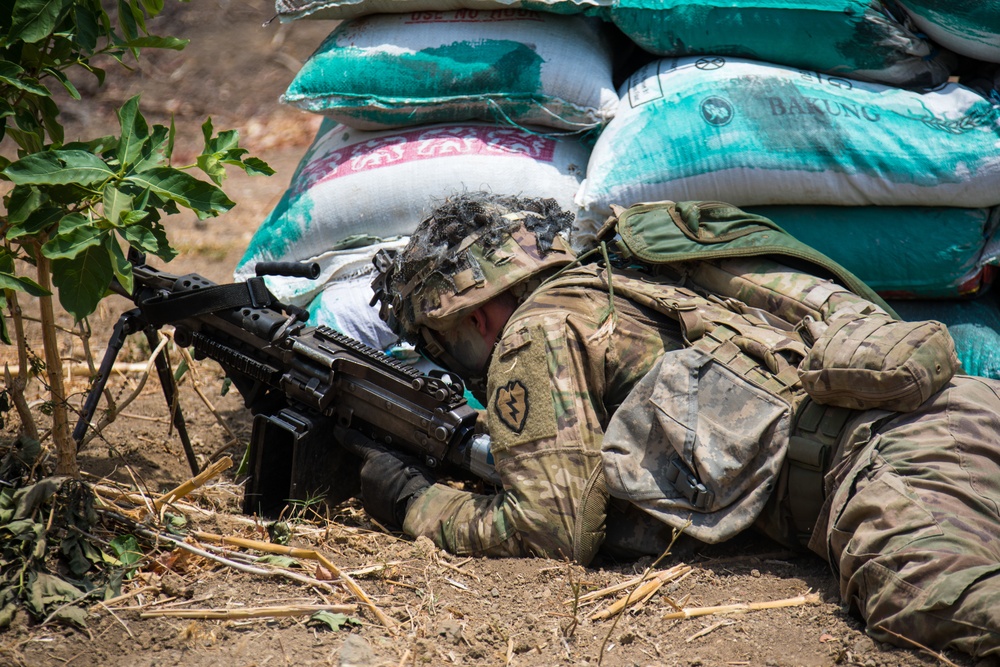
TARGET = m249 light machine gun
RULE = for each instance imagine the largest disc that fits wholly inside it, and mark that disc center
(298, 381)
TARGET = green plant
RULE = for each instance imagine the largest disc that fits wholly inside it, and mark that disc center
(74, 208)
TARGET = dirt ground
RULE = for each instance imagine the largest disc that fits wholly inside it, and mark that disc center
(442, 609)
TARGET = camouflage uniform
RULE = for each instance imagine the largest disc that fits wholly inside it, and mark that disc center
(562, 366)
(911, 522)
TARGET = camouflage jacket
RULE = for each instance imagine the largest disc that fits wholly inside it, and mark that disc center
(566, 360)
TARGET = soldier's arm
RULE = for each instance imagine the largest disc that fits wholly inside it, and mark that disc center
(545, 423)
(778, 289)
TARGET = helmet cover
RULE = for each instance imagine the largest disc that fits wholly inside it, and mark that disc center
(472, 248)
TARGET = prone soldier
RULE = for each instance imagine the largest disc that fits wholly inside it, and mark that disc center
(625, 401)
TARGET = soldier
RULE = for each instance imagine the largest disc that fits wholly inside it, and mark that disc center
(704, 396)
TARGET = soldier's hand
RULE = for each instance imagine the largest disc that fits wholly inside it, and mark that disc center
(390, 481)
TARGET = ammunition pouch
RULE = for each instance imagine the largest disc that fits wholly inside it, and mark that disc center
(815, 434)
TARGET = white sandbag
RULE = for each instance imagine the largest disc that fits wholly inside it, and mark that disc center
(348, 260)
(856, 38)
(381, 184)
(508, 66)
(968, 27)
(754, 134)
(344, 305)
(290, 10)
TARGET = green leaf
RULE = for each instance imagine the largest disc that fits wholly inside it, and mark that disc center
(116, 204)
(206, 133)
(182, 369)
(59, 167)
(157, 42)
(11, 74)
(212, 166)
(41, 219)
(34, 20)
(83, 280)
(67, 84)
(257, 167)
(21, 284)
(156, 152)
(126, 548)
(135, 132)
(138, 15)
(122, 267)
(49, 111)
(333, 621)
(126, 19)
(24, 200)
(174, 185)
(153, 7)
(86, 28)
(76, 233)
(149, 239)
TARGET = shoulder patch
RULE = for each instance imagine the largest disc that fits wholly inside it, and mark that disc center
(511, 405)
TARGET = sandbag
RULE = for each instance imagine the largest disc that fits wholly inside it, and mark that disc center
(855, 38)
(902, 252)
(974, 324)
(968, 27)
(754, 134)
(344, 305)
(510, 66)
(291, 10)
(381, 184)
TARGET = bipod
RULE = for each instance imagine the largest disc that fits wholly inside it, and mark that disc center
(129, 323)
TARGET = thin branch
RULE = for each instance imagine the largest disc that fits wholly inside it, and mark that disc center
(256, 612)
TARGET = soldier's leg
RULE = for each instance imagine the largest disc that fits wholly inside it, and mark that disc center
(915, 532)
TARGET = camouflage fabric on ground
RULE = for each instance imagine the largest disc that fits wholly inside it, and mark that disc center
(914, 527)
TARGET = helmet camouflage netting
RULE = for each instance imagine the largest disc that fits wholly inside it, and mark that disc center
(470, 249)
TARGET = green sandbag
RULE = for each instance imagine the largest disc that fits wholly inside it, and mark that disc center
(914, 252)
(853, 38)
(974, 324)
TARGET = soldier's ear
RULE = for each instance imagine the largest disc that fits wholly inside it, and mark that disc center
(480, 321)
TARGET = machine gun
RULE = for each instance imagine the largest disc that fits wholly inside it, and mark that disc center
(299, 382)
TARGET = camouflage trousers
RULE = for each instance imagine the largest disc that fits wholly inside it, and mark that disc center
(914, 522)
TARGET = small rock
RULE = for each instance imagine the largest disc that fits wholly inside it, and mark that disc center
(863, 645)
(356, 653)
(452, 630)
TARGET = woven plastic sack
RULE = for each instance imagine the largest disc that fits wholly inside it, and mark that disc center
(753, 134)
(902, 252)
(291, 10)
(381, 184)
(855, 38)
(513, 66)
(968, 27)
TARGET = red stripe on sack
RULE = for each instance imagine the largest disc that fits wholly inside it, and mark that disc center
(424, 144)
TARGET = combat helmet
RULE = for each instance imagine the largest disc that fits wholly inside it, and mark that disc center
(470, 249)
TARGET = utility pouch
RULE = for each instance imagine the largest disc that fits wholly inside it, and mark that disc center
(877, 362)
(697, 445)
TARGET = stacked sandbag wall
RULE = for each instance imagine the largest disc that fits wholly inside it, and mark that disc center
(418, 106)
(854, 124)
